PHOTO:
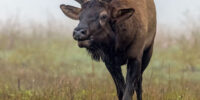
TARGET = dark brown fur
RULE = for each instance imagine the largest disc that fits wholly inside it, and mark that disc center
(122, 33)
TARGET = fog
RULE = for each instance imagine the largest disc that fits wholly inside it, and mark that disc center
(169, 12)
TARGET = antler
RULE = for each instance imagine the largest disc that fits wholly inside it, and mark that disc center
(81, 1)
(108, 1)
(84, 1)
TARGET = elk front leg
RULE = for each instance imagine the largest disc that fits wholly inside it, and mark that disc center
(145, 61)
(138, 88)
(133, 74)
(118, 78)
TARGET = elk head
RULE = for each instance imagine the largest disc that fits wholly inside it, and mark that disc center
(96, 20)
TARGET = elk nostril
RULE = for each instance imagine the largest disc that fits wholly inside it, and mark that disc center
(83, 32)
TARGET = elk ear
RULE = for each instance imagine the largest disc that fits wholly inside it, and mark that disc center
(122, 14)
(70, 11)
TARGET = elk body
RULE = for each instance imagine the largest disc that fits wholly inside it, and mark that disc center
(117, 32)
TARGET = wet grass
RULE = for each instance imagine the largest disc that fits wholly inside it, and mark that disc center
(52, 67)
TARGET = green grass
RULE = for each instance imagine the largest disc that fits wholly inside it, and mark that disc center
(36, 67)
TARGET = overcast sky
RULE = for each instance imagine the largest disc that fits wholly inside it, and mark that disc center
(170, 12)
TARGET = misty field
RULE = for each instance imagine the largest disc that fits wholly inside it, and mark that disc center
(41, 62)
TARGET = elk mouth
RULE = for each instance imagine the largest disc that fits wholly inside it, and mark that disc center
(85, 43)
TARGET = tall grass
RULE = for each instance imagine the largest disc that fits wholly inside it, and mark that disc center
(42, 62)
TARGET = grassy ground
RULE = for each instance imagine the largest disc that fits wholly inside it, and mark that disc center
(52, 67)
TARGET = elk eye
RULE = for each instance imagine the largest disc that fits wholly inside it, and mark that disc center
(103, 17)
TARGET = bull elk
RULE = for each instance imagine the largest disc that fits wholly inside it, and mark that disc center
(118, 32)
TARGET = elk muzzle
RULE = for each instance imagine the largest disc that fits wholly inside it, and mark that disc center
(80, 34)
